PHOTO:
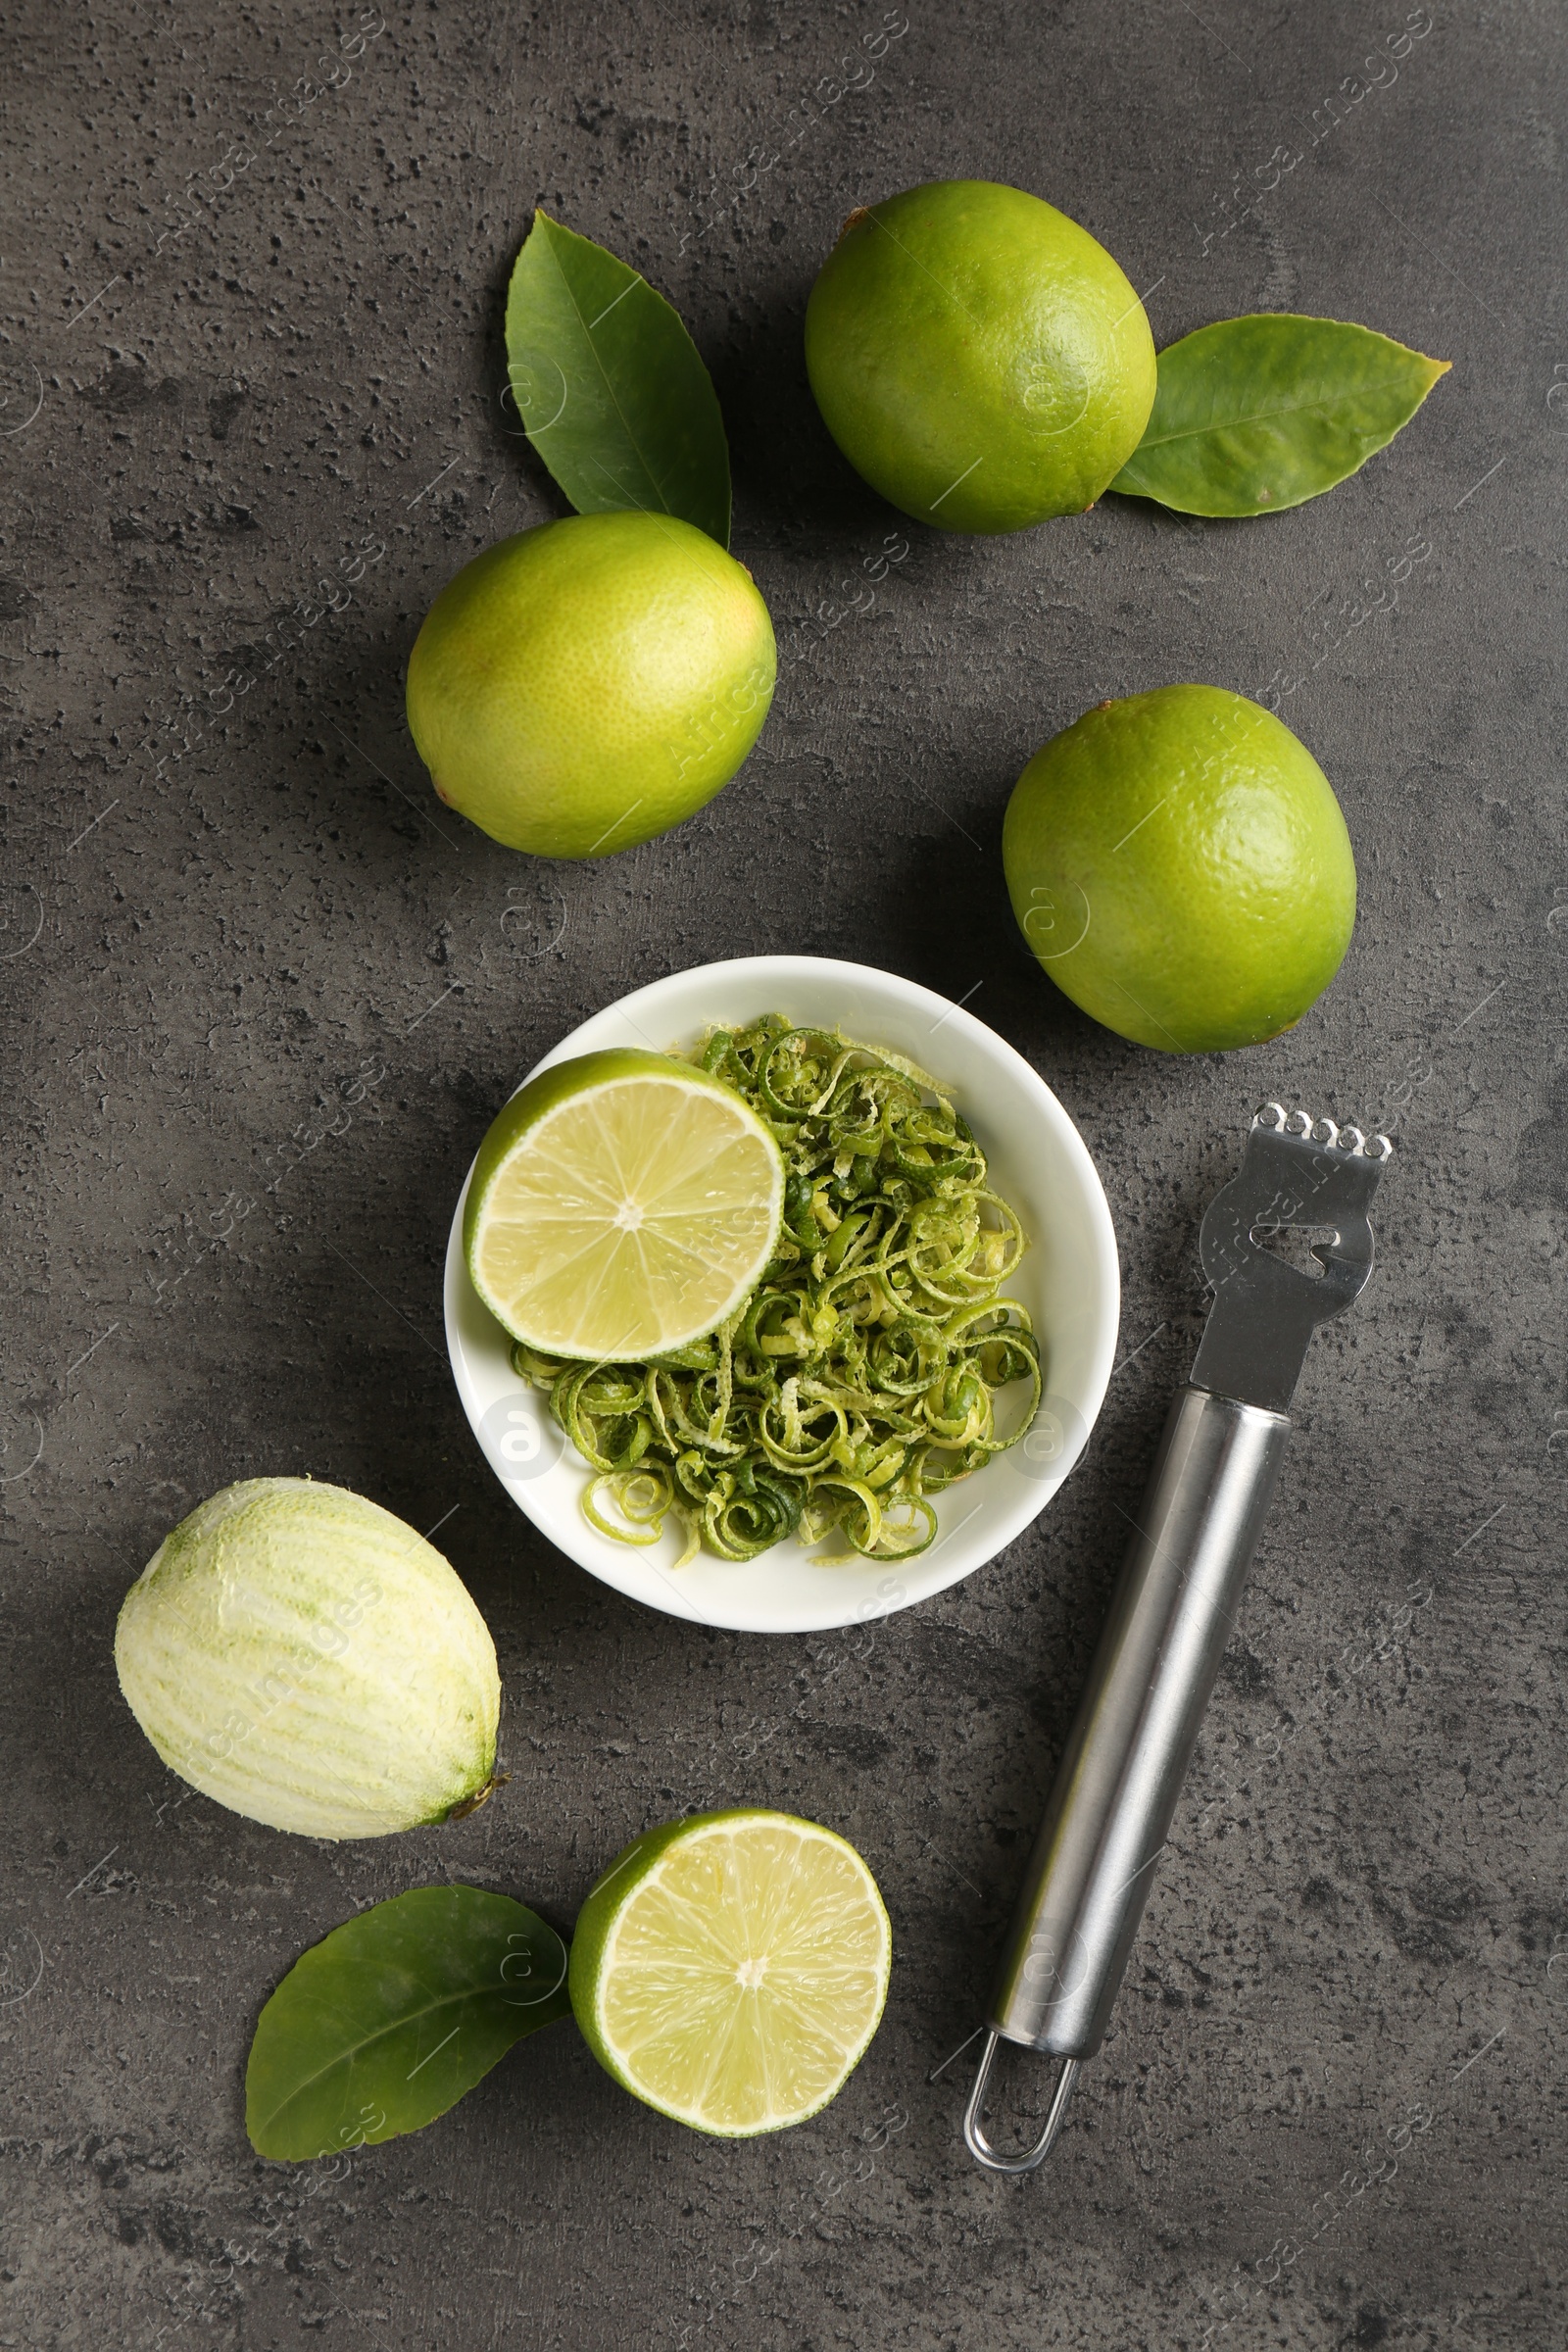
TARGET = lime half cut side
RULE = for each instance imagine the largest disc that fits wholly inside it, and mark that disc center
(730, 1969)
(622, 1205)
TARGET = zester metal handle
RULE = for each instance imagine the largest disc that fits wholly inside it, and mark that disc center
(1122, 1772)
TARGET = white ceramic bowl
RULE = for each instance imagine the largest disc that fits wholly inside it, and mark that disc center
(1068, 1281)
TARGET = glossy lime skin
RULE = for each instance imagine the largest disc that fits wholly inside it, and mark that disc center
(590, 683)
(1180, 866)
(977, 357)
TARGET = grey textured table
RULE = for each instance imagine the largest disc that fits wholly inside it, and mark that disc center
(249, 959)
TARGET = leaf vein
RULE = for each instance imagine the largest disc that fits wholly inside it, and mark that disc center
(1298, 408)
(346, 2057)
(655, 484)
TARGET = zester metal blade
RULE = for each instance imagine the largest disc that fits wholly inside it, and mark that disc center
(1295, 1171)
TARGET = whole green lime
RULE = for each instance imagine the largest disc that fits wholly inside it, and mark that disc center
(1180, 866)
(590, 683)
(977, 357)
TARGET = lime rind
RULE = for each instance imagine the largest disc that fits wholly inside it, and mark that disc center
(305, 1660)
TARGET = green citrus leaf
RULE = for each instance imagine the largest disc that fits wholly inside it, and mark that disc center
(1256, 414)
(384, 2024)
(610, 386)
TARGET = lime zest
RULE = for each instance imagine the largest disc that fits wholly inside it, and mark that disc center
(858, 1378)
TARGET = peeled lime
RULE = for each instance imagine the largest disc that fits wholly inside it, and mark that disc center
(1180, 866)
(622, 1205)
(731, 1969)
(590, 683)
(977, 357)
(302, 1656)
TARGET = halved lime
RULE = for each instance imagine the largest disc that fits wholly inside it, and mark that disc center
(622, 1204)
(730, 1969)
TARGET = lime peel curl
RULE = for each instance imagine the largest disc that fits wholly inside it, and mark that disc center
(858, 1379)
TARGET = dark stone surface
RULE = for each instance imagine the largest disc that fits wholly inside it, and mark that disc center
(218, 917)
